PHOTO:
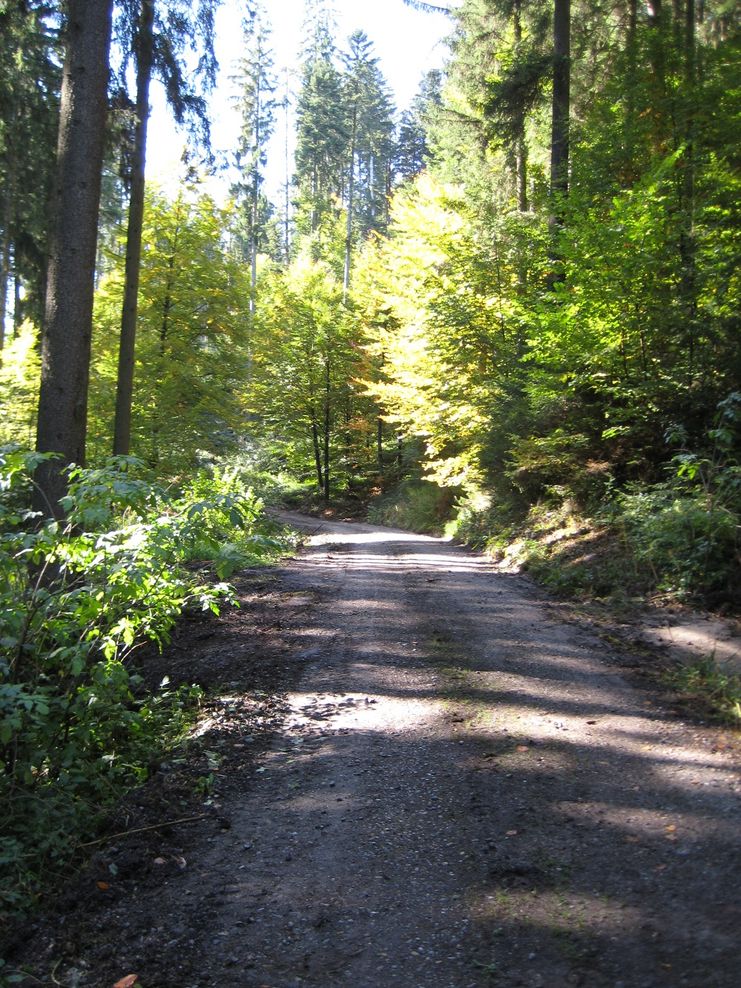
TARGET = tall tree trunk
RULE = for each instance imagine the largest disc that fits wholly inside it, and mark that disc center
(656, 44)
(687, 236)
(67, 331)
(127, 346)
(327, 417)
(520, 143)
(631, 78)
(254, 220)
(350, 205)
(317, 452)
(560, 126)
(561, 97)
(287, 173)
(4, 271)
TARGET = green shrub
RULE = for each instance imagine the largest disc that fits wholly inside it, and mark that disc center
(415, 505)
(76, 597)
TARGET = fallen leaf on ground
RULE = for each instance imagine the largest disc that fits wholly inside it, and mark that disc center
(103, 886)
(512, 833)
(523, 747)
(128, 982)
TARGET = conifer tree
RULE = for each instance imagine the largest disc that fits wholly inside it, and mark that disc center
(65, 348)
(322, 128)
(29, 108)
(370, 125)
(257, 104)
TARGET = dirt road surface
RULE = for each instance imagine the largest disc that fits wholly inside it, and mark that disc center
(461, 790)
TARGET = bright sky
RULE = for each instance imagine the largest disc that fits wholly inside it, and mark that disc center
(407, 42)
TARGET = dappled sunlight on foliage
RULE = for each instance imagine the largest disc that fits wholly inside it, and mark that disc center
(79, 597)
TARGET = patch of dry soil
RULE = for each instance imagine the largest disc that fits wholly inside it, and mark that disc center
(460, 790)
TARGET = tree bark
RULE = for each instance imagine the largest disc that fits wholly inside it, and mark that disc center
(67, 330)
(4, 271)
(561, 97)
(559, 127)
(520, 143)
(327, 418)
(687, 236)
(350, 205)
(127, 346)
(317, 454)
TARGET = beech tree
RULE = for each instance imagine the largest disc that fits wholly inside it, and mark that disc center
(301, 386)
(191, 359)
(65, 347)
(155, 33)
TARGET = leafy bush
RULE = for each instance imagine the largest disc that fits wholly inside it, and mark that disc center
(76, 598)
(418, 506)
(705, 683)
(688, 530)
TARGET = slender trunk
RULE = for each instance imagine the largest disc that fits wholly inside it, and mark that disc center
(687, 236)
(631, 79)
(317, 453)
(327, 382)
(167, 305)
(67, 331)
(17, 303)
(254, 219)
(656, 44)
(287, 173)
(4, 271)
(520, 143)
(10, 194)
(350, 205)
(561, 97)
(677, 24)
(127, 346)
(559, 127)
(379, 443)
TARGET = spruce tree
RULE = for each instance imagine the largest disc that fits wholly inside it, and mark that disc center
(256, 84)
(65, 348)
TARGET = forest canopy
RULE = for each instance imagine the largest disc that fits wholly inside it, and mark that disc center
(522, 289)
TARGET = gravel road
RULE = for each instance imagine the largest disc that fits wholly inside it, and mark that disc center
(465, 791)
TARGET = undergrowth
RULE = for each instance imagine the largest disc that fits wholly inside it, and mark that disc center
(706, 685)
(415, 505)
(77, 598)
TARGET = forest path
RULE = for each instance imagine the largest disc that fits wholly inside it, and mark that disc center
(466, 792)
(463, 791)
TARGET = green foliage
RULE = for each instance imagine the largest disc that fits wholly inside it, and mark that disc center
(690, 545)
(708, 687)
(301, 390)
(225, 523)
(76, 599)
(687, 530)
(417, 506)
(192, 347)
(20, 373)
